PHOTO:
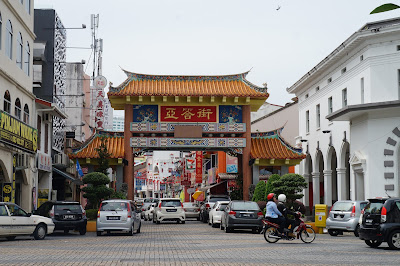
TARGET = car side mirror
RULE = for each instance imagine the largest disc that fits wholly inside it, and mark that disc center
(28, 214)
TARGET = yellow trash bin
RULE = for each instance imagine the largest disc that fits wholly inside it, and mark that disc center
(321, 211)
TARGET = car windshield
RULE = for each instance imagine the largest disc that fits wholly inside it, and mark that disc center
(343, 206)
(218, 199)
(67, 207)
(373, 207)
(222, 207)
(114, 206)
(248, 206)
(171, 203)
(150, 200)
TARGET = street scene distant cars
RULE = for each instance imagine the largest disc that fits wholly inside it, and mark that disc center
(216, 213)
(169, 209)
(192, 210)
(14, 221)
(240, 214)
(209, 203)
(148, 213)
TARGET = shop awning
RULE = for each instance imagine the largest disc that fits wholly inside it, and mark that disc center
(67, 176)
(225, 176)
(211, 186)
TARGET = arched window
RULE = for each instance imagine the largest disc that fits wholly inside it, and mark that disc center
(1, 27)
(9, 39)
(27, 60)
(19, 50)
(7, 102)
(18, 108)
(28, 6)
(26, 114)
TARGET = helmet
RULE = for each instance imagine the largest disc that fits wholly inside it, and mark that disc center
(282, 198)
(270, 196)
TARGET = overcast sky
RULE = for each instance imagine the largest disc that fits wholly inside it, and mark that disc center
(279, 40)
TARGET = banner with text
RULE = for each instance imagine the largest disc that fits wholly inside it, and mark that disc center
(199, 167)
(188, 114)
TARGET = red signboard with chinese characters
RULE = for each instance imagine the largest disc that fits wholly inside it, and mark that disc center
(188, 114)
(199, 167)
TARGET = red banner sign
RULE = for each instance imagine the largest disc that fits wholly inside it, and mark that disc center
(199, 167)
(188, 114)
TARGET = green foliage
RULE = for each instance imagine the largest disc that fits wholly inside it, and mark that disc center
(104, 156)
(96, 189)
(91, 214)
(384, 8)
(118, 195)
(237, 192)
(259, 192)
(291, 185)
(269, 187)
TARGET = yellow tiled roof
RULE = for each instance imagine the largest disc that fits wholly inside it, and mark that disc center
(115, 146)
(159, 85)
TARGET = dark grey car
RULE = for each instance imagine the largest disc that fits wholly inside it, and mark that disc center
(240, 214)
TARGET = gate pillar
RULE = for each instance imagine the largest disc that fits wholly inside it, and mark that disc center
(246, 168)
(129, 168)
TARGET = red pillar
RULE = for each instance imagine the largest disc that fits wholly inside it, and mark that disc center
(247, 178)
(128, 169)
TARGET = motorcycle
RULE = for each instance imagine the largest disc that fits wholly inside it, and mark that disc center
(302, 230)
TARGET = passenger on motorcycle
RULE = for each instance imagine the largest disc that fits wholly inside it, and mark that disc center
(285, 211)
(273, 214)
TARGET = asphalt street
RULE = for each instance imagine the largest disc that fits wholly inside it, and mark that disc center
(193, 243)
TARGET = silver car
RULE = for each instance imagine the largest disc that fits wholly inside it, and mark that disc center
(192, 210)
(118, 215)
(344, 217)
(169, 209)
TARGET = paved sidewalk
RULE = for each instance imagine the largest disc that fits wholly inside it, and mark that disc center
(193, 243)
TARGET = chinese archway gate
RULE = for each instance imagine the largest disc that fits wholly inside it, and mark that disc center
(187, 113)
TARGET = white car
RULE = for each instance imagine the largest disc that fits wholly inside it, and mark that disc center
(169, 209)
(148, 213)
(14, 222)
(216, 212)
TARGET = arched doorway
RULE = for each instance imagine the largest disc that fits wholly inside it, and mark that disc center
(332, 171)
(343, 173)
(308, 193)
(319, 167)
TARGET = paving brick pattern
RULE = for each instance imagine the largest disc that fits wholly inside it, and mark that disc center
(193, 243)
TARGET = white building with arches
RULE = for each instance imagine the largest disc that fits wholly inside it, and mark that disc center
(349, 118)
(17, 102)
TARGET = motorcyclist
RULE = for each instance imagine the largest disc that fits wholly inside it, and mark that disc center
(273, 214)
(285, 211)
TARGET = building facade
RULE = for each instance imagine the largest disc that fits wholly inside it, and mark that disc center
(18, 141)
(352, 152)
(118, 123)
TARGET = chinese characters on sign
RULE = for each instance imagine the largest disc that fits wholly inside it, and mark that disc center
(99, 118)
(44, 162)
(199, 167)
(188, 114)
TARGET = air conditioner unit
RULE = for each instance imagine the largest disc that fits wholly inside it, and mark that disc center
(47, 118)
(57, 159)
(65, 159)
(68, 143)
(22, 160)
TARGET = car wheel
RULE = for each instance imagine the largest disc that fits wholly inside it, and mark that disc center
(40, 232)
(227, 229)
(138, 230)
(373, 243)
(154, 219)
(221, 226)
(66, 231)
(82, 231)
(131, 230)
(255, 230)
(183, 222)
(177, 221)
(198, 218)
(98, 233)
(158, 222)
(145, 218)
(357, 231)
(11, 238)
(394, 240)
(333, 232)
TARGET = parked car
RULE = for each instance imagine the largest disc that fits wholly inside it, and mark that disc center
(344, 217)
(209, 203)
(144, 207)
(192, 210)
(118, 215)
(381, 222)
(169, 209)
(14, 222)
(216, 212)
(65, 215)
(148, 213)
(240, 214)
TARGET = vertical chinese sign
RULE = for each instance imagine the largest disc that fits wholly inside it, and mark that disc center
(99, 83)
(199, 167)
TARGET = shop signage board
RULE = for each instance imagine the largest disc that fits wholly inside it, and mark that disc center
(199, 167)
(44, 162)
(18, 134)
(188, 114)
(6, 192)
(231, 164)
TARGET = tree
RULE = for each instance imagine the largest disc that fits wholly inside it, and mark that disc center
(384, 8)
(259, 192)
(270, 186)
(237, 192)
(291, 185)
(96, 189)
(104, 156)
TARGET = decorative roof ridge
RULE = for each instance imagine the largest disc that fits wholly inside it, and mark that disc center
(268, 134)
(97, 133)
(287, 145)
